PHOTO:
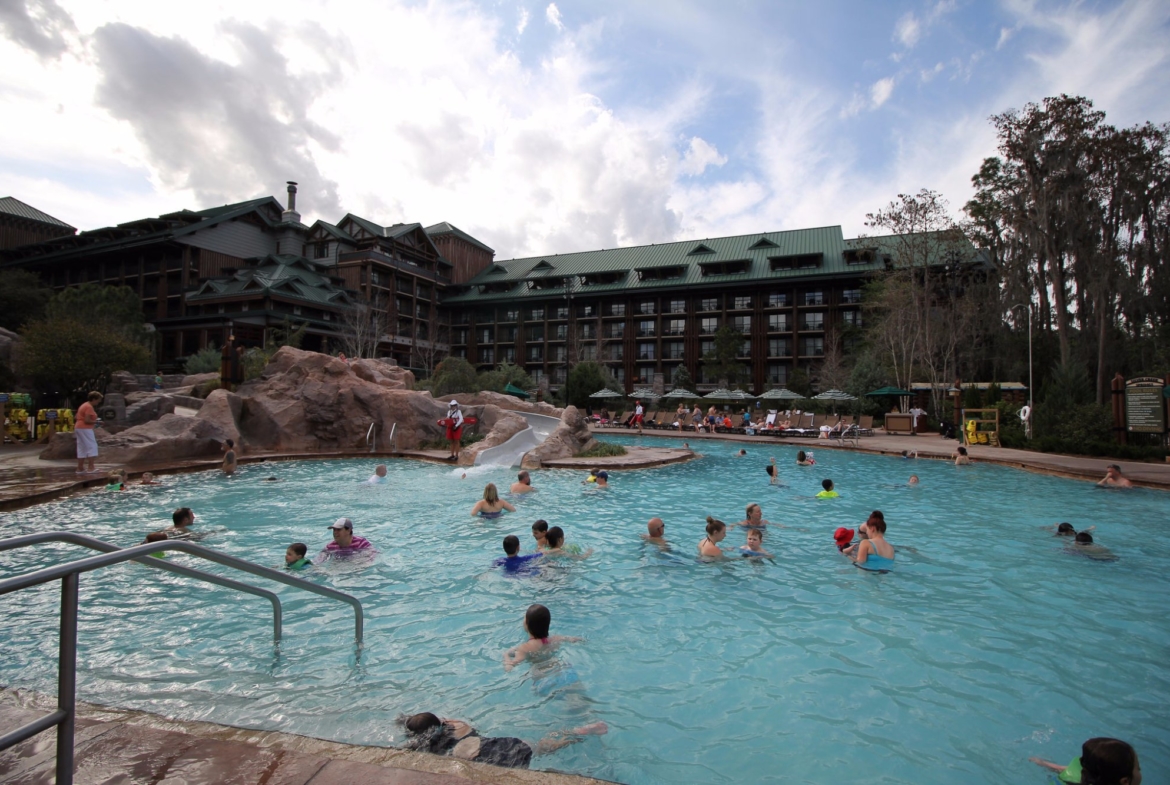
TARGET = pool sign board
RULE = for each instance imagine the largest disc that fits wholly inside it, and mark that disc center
(1145, 407)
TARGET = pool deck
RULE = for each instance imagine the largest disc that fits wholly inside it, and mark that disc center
(138, 748)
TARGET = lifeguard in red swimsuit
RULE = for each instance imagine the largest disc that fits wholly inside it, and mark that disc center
(454, 428)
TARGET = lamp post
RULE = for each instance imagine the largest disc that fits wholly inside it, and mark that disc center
(1031, 407)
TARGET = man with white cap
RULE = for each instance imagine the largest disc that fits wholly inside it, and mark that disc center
(344, 542)
(454, 429)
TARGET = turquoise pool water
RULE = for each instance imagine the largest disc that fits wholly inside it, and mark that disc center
(988, 643)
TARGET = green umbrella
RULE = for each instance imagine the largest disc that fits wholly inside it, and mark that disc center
(512, 389)
(781, 394)
(892, 391)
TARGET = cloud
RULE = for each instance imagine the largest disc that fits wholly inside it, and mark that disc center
(523, 22)
(217, 129)
(699, 155)
(908, 30)
(553, 15)
(41, 26)
(881, 90)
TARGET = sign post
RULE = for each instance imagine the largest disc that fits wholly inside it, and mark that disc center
(1145, 405)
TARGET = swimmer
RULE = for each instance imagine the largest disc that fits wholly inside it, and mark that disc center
(686, 446)
(804, 460)
(602, 480)
(753, 517)
(655, 532)
(907, 455)
(755, 545)
(828, 492)
(961, 457)
(875, 552)
(345, 542)
(716, 531)
(294, 557)
(523, 483)
(592, 476)
(116, 481)
(156, 537)
(271, 479)
(379, 475)
(773, 472)
(537, 621)
(229, 457)
(183, 519)
(1083, 545)
(741, 453)
(1066, 529)
(843, 538)
(1103, 760)
(512, 561)
(540, 534)
(463, 476)
(1114, 478)
(148, 479)
(555, 545)
(491, 506)
(456, 738)
(913, 479)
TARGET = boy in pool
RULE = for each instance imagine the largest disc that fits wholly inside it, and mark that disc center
(512, 561)
(540, 534)
(913, 479)
(1103, 760)
(148, 479)
(456, 738)
(555, 545)
(295, 557)
(156, 537)
(755, 545)
(537, 620)
(1084, 546)
(709, 545)
(773, 473)
(379, 476)
(116, 481)
(828, 492)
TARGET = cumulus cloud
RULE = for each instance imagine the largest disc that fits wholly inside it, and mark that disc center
(41, 26)
(522, 24)
(553, 15)
(214, 128)
(699, 155)
(880, 91)
(908, 30)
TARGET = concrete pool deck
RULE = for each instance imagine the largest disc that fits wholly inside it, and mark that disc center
(139, 748)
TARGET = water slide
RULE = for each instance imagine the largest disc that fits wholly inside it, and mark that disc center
(510, 452)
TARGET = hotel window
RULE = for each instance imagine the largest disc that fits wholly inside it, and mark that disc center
(676, 327)
(814, 297)
(778, 323)
(745, 349)
(535, 333)
(423, 291)
(706, 347)
(619, 374)
(484, 335)
(558, 375)
(645, 351)
(779, 347)
(673, 350)
(535, 354)
(556, 354)
(777, 373)
(459, 351)
(851, 296)
(296, 310)
(509, 315)
(458, 336)
(708, 325)
(422, 312)
(742, 323)
(646, 328)
(508, 354)
(487, 355)
(614, 352)
(614, 329)
(587, 332)
(588, 353)
(536, 373)
(812, 347)
(617, 309)
(561, 312)
(321, 250)
(814, 320)
(646, 307)
(851, 318)
(678, 306)
(709, 304)
(777, 299)
(645, 374)
(507, 334)
(535, 314)
(560, 332)
(586, 311)
(743, 303)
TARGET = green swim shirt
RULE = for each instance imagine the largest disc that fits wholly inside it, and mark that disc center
(1072, 772)
(300, 564)
(828, 495)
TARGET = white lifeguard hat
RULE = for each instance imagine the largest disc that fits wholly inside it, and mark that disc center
(454, 403)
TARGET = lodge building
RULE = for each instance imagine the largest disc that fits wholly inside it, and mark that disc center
(252, 267)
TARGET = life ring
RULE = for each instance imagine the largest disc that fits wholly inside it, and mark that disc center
(1025, 413)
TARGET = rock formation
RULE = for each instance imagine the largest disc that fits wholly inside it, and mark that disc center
(570, 437)
(307, 403)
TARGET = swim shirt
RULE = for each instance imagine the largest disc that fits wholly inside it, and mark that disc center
(518, 563)
(828, 495)
(302, 563)
(358, 544)
(376, 480)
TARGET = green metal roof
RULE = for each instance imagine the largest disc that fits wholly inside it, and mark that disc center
(10, 205)
(285, 275)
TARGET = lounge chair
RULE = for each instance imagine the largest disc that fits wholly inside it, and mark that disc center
(865, 425)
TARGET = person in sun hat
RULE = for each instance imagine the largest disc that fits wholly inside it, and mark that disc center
(345, 542)
(454, 428)
(843, 537)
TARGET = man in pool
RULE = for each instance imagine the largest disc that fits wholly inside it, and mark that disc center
(345, 542)
(1114, 478)
(183, 519)
(523, 483)
(655, 532)
(513, 562)
(602, 479)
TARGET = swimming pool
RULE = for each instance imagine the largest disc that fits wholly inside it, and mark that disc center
(986, 645)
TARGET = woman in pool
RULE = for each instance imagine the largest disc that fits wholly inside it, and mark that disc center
(804, 460)
(961, 457)
(456, 738)
(709, 545)
(491, 506)
(537, 620)
(874, 553)
(754, 518)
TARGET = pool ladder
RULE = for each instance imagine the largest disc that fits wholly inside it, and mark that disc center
(372, 436)
(64, 718)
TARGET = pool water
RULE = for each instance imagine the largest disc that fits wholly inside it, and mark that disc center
(987, 644)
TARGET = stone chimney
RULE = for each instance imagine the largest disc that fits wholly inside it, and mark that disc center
(291, 215)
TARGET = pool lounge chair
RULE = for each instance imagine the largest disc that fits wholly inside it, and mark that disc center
(865, 425)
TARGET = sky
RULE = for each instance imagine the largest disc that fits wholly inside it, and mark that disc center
(546, 127)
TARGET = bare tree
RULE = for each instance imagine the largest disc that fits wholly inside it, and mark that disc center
(428, 352)
(363, 328)
(833, 373)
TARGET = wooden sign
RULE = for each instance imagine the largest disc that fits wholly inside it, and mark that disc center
(1145, 409)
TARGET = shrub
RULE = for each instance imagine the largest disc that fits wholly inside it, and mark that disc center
(206, 360)
(602, 450)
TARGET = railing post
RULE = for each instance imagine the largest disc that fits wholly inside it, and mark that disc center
(67, 678)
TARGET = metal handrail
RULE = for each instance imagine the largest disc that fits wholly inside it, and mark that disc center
(390, 441)
(65, 716)
(160, 564)
(372, 436)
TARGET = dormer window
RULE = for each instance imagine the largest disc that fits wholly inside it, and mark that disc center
(725, 268)
(700, 250)
(859, 256)
(594, 279)
(660, 273)
(547, 283)
(798, 262)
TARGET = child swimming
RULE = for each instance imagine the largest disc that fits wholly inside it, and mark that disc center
(716, 531)
(295, 557)
(1103, 761)
(555, 545)
(755, 545)
(828, 492)
(537, 620)
(512, 561)
(540, 533)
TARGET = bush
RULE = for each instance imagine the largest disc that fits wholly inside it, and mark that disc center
(501, 376)
(602, 450)
(585, 379)
(453, 375)
(204, 390)
(206, 360)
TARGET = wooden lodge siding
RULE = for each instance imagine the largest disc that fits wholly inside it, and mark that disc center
(469, 260)
(213, 264)
(17, 233)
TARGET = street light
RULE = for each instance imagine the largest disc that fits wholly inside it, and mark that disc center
(1031, 408)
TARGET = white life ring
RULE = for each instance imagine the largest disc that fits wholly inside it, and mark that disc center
(1025, 413)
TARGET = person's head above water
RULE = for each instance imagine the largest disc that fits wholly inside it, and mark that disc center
(537, 620)
(655, 528)
(913, 479)
(743, 452)
(490, 494)
(1106, 761)
(1084, 538)
(876, 525)
(156, 537)
(380, 470)
(827, 484)
(962, 451)
(524, 478)
(421, 723)
(1065, 530)
(714, 526)
(511, 545)
(295, 552)
(800, 456)
(183, 517)
(555, 537)
(342, 532)
(842, 536)
(755, 539)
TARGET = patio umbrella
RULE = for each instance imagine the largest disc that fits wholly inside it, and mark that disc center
(890, 391)
(649, 395)
(722, 394)
(606, 393)
(781, 394)
(679, 392)
(511, 389)
(834, 397)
